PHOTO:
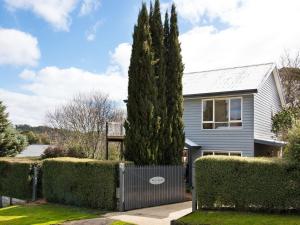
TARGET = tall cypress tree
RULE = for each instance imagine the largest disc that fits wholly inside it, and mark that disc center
(142, 122)
(4, 123)
(157, 35)
(174, 74)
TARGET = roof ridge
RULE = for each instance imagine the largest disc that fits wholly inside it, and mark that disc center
(228, 68)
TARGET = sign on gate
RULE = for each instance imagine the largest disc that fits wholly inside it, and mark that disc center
(146, 186)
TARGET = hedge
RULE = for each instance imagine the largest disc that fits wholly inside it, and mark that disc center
(247, 183)
(16, 177)
(81, 182)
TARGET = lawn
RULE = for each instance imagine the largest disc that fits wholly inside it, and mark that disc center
(43, 214)
(238, 218)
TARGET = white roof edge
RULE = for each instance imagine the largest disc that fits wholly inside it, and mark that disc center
(228, 68)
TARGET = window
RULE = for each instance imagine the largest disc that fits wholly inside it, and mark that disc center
(225, 153)
(222, 113)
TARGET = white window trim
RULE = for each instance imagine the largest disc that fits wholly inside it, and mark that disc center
(229, 120)
(222, 151)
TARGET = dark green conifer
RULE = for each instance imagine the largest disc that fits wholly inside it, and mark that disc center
(142, 121)
(174, 72)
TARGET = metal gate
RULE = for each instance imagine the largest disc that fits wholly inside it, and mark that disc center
(146, 186)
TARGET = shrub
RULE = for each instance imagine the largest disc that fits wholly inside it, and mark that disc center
(247, 183)
(16, 177)
(81, 182)
(292, 150)
(53, 152)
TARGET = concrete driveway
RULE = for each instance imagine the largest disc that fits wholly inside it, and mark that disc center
(159, 215)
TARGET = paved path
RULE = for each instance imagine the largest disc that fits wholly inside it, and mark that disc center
(159, 215)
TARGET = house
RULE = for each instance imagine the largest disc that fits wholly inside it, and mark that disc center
(228, 111)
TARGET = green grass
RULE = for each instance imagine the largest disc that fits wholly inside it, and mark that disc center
(43, 214)
(121, 223)
(238, 218)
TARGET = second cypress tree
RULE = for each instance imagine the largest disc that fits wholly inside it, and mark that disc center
(142, 122)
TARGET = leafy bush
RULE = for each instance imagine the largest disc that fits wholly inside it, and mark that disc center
(81, 182)
(284, 120)
(53, 152)
(16, 177)
(292, 150)
(247, 183)
(59, 151)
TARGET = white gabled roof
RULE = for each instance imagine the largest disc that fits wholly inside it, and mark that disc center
(229, 80)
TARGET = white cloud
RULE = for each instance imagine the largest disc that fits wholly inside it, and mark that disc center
(196, 10)
(92, 31)
(120, 58)
(27, 74)
(256, 32)
(88, 6)
(18, 48)
(27, 109)
(55, 12)
(51, 86)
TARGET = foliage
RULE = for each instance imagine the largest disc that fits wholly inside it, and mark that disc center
(247, 183)
(284, 120)
(81, 122)
(158, 48)
(16, 177)
(44, 214)
(236, 218)
(290, 78)
(36, 138)
(154, 126)
(292, 150)
(60, 151)
(142, 121)
(174, 73)
(11, 141)
(81, 182)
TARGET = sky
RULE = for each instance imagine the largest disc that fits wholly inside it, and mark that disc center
(51, 50)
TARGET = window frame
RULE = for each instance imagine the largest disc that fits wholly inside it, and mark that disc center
(229, 109)
(222, 151)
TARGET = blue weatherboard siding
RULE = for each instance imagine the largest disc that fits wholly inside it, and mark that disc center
(240, 139)
(265, 101)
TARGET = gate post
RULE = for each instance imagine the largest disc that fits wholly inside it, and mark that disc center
(194, 195)
(1, 201)
(121, 189)
(34, 183)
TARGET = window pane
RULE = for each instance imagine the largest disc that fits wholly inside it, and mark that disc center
(208, 125)
(221, 110)
(221, 125)
(208, 110)
(235, 109)
(239, 124)
(222, 153)
(207, 153)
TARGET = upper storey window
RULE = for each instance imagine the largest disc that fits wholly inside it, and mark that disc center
(221, 113)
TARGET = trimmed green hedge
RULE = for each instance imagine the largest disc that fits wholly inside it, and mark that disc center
(16, 177)
(81, 182)
(247, 183)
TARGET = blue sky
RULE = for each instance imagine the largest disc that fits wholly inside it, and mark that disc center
(53, 49)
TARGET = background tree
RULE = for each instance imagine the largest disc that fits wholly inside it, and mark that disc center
(284, 120)
(80, 124)
(292, 150)
(11, 142)
(157, 35)
(174, 73)
(142, 122)
(290, 77)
